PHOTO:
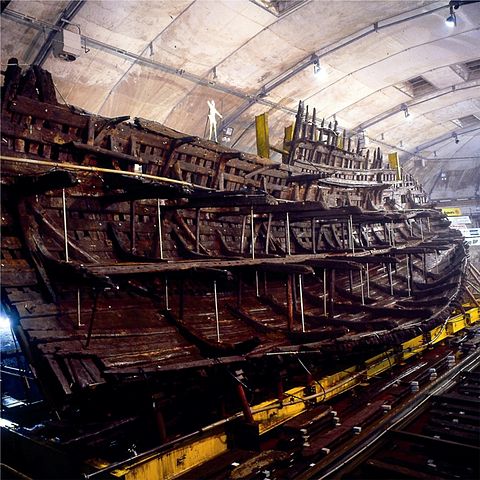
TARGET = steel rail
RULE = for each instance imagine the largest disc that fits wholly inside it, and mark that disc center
(439, 386)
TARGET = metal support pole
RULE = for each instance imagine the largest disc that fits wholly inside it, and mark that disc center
(79, 312)
(428, 224)
(217, 321)
(252, 232)
(390, 278)
(421, 228)
(287, 233)
(325, 291)
(331, 300)
(167, 306)
(159, 220)
(409, 288)
(65, 236)
(242, 239)
(300, 287)
(290, 307)
(367, 274)
(257, 288)
(350, 234)
(361, 286)
(314, 246)
(197, 230)
(425, 273)
(269, 228)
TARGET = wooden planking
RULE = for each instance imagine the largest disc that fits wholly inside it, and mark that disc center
(17, 273)
(47, 111)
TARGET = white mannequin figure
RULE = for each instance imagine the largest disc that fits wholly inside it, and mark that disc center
(212, 119)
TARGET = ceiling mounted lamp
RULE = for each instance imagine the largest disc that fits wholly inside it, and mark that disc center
(451, 20)
(455, 137)
(317, 69)
(408, 115)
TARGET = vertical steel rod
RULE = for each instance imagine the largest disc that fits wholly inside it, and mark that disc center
(325, 291)
(269, 227)
(167, 305)
(313, 236)
(65, 237)
(252, 232)
(367, 274)
(351, 234)
(390, 278)
(159, 220)
(425, 273)
(408, 277)
(361, 286)
(300, 287)
(290, 305)
(287, 233)
(197, 230)
(79, 311)
(257, 288)
(242, 239)
(217, 321)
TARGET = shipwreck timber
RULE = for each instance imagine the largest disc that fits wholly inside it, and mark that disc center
(144, 264)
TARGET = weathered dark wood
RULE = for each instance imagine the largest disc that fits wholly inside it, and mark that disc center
(47, 111)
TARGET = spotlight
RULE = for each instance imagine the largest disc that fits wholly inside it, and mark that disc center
(451, 20)
(408, 115)
(317, 69)
(455, 136)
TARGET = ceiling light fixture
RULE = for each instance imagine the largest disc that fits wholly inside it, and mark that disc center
(451, 20)
(455, 136)
(408, 115)
(317, 69)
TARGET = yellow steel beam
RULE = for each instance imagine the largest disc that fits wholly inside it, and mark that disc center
(263, 141)
(272, 413)
(175, 462)
(287, 139)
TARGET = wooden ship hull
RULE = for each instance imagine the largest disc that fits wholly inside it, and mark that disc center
(158, 279)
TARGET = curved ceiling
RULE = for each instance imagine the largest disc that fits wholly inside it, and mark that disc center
(163, 59)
